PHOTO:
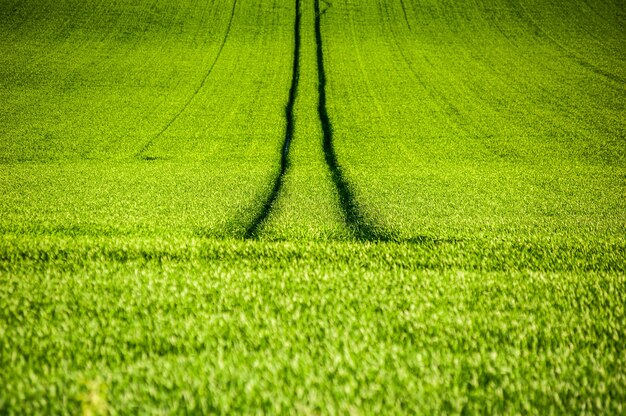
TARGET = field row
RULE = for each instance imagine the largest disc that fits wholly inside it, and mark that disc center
(355, 206)
(458, 120)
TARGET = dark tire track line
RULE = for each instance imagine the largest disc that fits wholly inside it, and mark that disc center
(355, 219)
(141, 153)
(406, 18)
(253, 229)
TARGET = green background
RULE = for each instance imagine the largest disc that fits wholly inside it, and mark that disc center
(484, 140)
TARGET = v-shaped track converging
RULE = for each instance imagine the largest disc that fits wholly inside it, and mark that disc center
(359, 226)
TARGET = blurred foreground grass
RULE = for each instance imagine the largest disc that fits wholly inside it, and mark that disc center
(163, 325)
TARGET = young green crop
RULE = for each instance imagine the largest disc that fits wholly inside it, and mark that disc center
(201, 326)
(234, 207)
(469, 120)
(140, 118)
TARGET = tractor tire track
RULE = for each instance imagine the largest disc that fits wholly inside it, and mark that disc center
(360, 225)
(141, 153)
(253, 229)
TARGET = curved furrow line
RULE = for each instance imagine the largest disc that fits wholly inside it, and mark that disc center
(253, 229)
(607, 25)
(207, 11)
(141, 153)
(442, 102)
(104, 65)
(438, 99)
(356, 220)
(125, 20)
(406, 18)
(549, 97)
(528, 18)
(373, 93)
(616, 19)
(599, 23)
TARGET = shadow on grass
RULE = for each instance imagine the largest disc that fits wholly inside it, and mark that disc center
(356, 220)
(253, 229)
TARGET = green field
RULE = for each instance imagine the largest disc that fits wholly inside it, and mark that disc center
(312, 207)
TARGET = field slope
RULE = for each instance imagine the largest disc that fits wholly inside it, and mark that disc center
(346, 207)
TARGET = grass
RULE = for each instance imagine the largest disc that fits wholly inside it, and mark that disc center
(445, 232)
(476, 129)
(231, 326)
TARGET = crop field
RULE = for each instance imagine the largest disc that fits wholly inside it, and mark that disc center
(312, 207)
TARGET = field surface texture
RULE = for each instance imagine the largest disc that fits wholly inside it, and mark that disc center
(312, 207)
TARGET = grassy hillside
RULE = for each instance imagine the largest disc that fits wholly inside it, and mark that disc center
(347, 207)
(154, 118)
(470, 120)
